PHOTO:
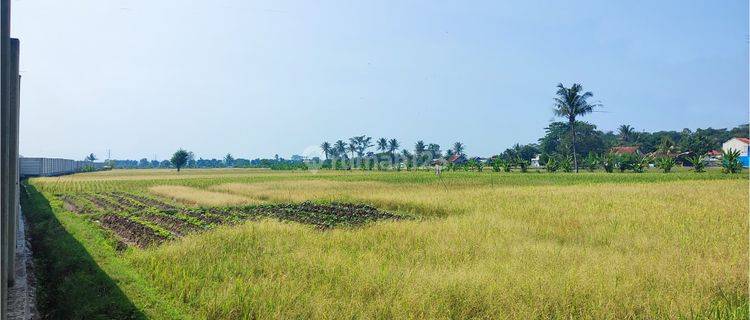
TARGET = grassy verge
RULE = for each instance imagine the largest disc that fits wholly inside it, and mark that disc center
(80, 275)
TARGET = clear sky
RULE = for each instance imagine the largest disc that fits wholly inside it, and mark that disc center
(256, 78)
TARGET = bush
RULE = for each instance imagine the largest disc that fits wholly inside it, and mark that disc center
(730, 161)
(566, 164)
(699, 164)
(626, 162)
(496, 164)
(552, 165)
(523, 165)
(640, 164)
(609, 163)
(507, 166)
(592, 162)
(665, 164)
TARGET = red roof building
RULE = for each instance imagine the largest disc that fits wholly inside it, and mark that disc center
(625, 150)
(457, 159)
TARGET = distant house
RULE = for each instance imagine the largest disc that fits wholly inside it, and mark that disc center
(714, 153)
(740, 144)
(713, 158)
(625, 150)
(535, 161)
(458, 159)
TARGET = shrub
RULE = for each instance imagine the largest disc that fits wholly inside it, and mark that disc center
(523, 165)
(496, 164)
(507, 166)
(665, 164)
(730, 161)
(640, 164)
(552, 165)
(592, 162)
(699, 164)
(626, 162)
(566, 164)
(609, 163)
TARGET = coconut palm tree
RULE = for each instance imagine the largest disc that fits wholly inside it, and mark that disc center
(382, 144)
(626, 133)
(419, 148)
(326, 147)
(419, 151)
(393, 145)
(409, 158)
(351, 148)
(570, 104)
(434, 150)
(458, 148)
(340, 147)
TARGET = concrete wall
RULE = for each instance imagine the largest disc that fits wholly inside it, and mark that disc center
(9, 169)
(9, 174)
(49, 167)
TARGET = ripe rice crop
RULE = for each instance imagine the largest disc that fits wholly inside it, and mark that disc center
(407, 245)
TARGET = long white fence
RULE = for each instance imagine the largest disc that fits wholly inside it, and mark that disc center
(48, 167)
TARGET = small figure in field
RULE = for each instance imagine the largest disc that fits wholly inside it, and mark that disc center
(438, 169)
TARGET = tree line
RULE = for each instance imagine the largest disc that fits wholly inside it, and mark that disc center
(567, 145)
(186, 159)
(365, 153)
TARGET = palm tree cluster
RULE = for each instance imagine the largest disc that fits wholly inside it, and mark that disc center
(356, 153)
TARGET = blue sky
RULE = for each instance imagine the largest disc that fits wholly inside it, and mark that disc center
(256, 78)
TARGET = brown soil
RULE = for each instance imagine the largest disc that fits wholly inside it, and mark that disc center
(69, 205)
(162, 206)
(324, 216)
(176, 226)
(131, 232)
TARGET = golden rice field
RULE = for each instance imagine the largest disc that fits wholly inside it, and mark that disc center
(245, 244)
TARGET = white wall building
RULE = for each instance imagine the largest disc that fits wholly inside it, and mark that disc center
(741, 144)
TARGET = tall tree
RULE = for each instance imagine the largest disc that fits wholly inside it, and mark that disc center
(626, 133)
(419, 152)
(419, 148)
(340, 147)
(179, 158)
(409, 158)
(91, 158)
(351, 148)
(570, 104)
(229, 160)
(393, 145)
(458, 148)
(363, 143)
(326, 147)
(382, 145)
(434, 151)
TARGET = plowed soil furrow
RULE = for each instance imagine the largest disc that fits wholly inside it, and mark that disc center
(131, 232)
(201, 215)
(176, 226)
(103, 203)
(162, 214)
(162, 206)
(124, 201)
